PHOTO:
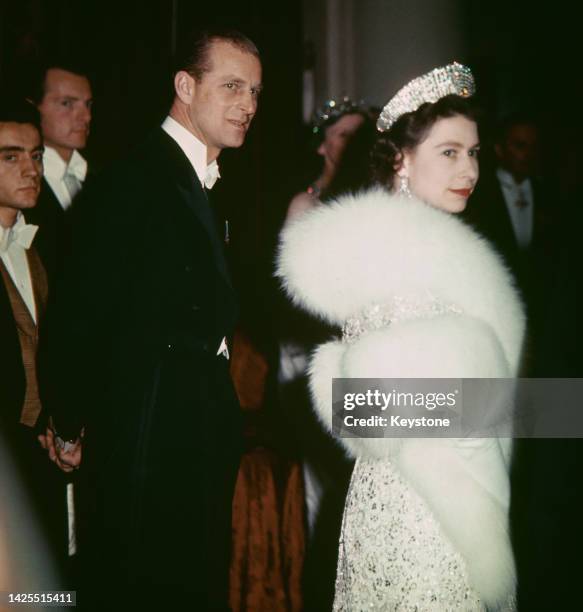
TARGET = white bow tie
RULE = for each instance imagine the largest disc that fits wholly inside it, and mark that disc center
(212, 175)
(21, 234)
(76, 171)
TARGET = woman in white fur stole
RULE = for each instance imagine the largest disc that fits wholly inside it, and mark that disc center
(426, 520)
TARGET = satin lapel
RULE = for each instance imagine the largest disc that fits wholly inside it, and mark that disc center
(52, 203)
(199, 204)
(540, 219)
(195, 198)
(501, 215)
(39, 281)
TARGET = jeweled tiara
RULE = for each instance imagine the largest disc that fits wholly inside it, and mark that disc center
(440, 82)
(333, 109)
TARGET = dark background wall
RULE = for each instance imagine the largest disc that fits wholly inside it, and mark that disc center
(522, 57)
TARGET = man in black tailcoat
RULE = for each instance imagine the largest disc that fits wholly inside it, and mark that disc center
(143, 315)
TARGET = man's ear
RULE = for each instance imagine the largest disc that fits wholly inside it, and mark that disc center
(184, 85)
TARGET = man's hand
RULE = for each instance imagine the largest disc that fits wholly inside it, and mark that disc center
(66, 455)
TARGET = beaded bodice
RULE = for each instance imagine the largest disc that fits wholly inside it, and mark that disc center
(400, 308)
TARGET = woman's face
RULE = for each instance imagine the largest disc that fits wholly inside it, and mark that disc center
(443, 169)
(335, 139)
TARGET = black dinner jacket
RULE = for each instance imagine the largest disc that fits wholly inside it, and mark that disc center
(488, 213)
(534, 268)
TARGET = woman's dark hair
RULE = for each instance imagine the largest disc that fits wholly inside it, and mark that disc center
(353, 168)
(409, 131)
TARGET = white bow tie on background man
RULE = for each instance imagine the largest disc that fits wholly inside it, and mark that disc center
(72, 182)
(212, 174)
(20, 233)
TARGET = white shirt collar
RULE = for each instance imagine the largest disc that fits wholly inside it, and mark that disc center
(508, 180)
(19, 226)
(194, 150)
(18, 223)
(55, 167)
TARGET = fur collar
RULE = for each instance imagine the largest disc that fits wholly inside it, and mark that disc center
(368, 248)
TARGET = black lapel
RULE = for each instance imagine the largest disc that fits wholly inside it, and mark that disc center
(501, 213)
(539, 212)
(193, 195)
(48, 211)
(52, 204)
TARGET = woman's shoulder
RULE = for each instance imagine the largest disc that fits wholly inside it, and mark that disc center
(299, 204)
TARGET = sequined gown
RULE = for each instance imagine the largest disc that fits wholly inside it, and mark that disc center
(393, 554)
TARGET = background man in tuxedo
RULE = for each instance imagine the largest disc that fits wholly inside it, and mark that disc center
(143, 314)
(62, 94)
(509, 199)
(23, 294)
(514, 209)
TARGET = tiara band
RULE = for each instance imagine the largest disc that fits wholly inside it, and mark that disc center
(440, 82)
(333, 109)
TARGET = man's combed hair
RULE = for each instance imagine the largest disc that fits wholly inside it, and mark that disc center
(35, 86)
(18, 110)
(194, 56)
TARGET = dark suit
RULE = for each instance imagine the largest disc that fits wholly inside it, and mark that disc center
(144, 304)
(533, 267)
(487, 211)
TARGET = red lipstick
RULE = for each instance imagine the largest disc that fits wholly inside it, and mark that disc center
(462, 192)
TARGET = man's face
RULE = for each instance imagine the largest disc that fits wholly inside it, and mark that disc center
(21, 165)
(224, 101)
(518, 153)
(65, 111)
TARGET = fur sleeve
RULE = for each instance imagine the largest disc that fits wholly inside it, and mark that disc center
(449, 346)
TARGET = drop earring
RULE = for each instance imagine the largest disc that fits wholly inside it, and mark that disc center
(404, 187)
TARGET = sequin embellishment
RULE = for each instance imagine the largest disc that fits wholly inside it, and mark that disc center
(400, 308)
(393, 554)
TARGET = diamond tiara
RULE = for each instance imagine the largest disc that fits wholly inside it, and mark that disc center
(333, 109)
(440, 82)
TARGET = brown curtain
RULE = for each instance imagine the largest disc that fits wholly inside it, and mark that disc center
(268, 508)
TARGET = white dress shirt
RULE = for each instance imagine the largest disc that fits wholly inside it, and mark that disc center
(65, 179)
(13, 246)
(519, 202)
(195, 150)
(207, 174)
